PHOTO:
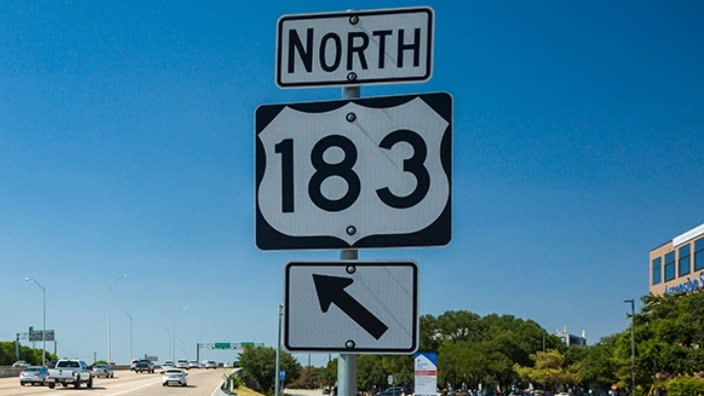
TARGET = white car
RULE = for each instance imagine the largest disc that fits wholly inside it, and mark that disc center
(174, 376)
(209, 364)
(166, 366)
(103, 370)
(20, 364)
(182, 364)
(193, 364)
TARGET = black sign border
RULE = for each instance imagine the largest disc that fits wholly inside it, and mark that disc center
(438, 233)
(345, 263)
(345, 82)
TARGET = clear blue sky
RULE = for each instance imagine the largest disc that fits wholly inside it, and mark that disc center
(127, 140)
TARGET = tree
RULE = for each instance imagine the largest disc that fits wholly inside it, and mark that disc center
(370, 372)
(685, 386)
(30, 355)
(309, 379)
(598, 368)
(328, 375)
(401, 367)
(259, 365)
(550, 369)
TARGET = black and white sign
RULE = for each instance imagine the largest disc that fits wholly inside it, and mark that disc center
(355, 47)
(351, 306)
(359, 173)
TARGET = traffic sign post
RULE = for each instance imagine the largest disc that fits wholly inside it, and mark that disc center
(351, 307)
(354, 173)
(350, 174)
(355, 47)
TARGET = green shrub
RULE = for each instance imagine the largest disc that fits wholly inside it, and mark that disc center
(685, 386)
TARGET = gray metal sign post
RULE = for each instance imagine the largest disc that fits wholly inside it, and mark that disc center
(347, 363)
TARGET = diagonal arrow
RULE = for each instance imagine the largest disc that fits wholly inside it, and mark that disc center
(331, 289)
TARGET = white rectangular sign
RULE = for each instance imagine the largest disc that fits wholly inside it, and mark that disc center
(352, 306)
(355, 47)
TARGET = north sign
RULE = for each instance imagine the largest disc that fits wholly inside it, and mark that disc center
(354, 47)
(351, 306)
(359, 173)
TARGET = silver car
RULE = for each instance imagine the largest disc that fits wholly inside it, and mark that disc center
(103, 370)
(209, 364)
(174, 376)
(35, 375)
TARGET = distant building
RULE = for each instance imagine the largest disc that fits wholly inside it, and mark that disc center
(677, 266)
(571, 339)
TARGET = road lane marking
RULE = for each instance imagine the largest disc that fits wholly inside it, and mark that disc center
(150, 383)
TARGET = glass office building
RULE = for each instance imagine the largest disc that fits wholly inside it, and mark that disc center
(677, 266)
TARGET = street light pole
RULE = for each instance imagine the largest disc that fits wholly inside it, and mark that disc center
(633, 343)
(121, 276)
(131, 335)
(27, 279)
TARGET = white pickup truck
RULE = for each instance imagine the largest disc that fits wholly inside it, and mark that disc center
(70, 372)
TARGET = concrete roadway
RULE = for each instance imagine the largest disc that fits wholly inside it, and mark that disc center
(201, 382)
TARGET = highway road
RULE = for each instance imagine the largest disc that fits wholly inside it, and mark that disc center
(200, 383)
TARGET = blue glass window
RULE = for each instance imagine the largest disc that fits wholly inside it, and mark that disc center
(657, 271)
(699, 255)
(669, 266)
(684, 266)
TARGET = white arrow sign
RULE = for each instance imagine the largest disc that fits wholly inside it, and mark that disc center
(351, 306)
(339, 174)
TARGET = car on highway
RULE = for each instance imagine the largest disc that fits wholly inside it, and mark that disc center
(193, 364)
(70, 372)
(209, 364)
(103, 370)
(143, 366)
(20, 364)
(174, 376)
(182, 364)
(166, 365)
(33, 375)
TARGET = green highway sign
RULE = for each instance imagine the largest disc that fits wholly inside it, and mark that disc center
(222, 345)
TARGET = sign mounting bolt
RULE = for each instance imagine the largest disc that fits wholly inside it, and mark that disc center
(351, 76)
(351, 230)
(354, 19)
(350, 269)
(349, 344)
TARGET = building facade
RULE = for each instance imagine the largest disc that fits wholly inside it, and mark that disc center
(571, 339)
(677, 266)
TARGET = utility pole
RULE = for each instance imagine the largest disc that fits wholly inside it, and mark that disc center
(633, 343)
(17, 347)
